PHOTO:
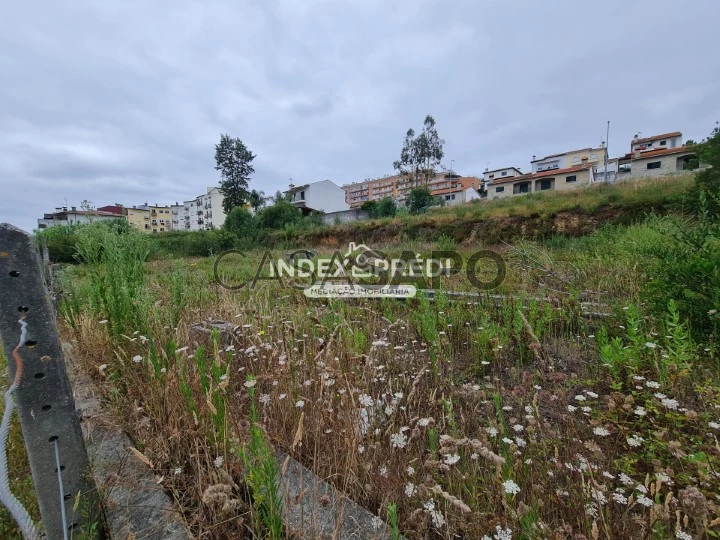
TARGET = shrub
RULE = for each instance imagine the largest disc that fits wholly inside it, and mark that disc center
(419, 200)
(690, 270)
(240, 222)
(278, 215)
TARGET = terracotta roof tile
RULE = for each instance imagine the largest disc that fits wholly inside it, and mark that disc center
(656, 137)
(661, 152)
(543, 174)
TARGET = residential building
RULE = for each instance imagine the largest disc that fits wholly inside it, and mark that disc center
(656, 142)
(116, 208)
(654, 163)
(211, 214)
(178, 216)
(63, 216)
(151, 219)
(555, 179)
(139, 218)
(651, 157)
(461, 195)
(573, 158)
(489, 176)
(325, 196)
(398, 187)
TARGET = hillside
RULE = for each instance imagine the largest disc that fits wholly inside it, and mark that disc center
(534, 216)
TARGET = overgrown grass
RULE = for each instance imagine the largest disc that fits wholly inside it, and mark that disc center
(450, 417)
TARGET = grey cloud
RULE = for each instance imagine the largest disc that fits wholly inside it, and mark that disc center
(123, 101)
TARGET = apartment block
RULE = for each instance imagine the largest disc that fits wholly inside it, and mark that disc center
(397, 187)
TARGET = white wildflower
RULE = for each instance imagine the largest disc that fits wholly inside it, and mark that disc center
(137, 359)
(671, 404)
(651, 345)
(399, 440)
(580, 397)
(365, 400)
(591, 394)
(250, 383)
(383, 471)
(361, 449)
(451, 459)
(510, 487)
(492, 431)
(410, 489)
(619, 498)
(264, 399)
(219, 461)
(635, 441)
(572, 408)
(601, 432)
(518, 428)
(299, 404)
(177, 471)
(714, 425)
(423, 422)
(652, 384)
(640, 411)
(682, 535)
(410, 470)
(642, 499)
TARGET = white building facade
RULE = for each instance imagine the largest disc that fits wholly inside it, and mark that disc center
(324, 196)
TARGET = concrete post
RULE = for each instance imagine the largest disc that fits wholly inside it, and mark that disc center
(50, 423)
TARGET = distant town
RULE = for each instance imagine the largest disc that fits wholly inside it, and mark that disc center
(649, 157)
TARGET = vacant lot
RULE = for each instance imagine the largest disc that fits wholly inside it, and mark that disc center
(577, 401)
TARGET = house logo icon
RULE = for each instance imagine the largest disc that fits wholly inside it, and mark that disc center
(364, 260)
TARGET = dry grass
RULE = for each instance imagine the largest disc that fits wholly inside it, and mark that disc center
(472, 417)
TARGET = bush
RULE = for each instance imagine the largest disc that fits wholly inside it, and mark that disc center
(689, 272)
(192, 243)
(419, 200)
(62, 239)
(278, 215)
(240, 222)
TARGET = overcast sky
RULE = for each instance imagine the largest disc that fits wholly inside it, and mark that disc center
(123, 101)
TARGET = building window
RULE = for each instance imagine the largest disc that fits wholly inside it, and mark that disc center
(654, 165)
(593, 156)
(504, 173)
(576, 159)
(302, 195)
(572, 178)
(546, 184)
(499, 189)
(491, 176)
(663, 143)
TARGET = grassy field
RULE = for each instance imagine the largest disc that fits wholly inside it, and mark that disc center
(448, 418)
(516, 415)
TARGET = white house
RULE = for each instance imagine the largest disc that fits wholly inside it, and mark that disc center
(657, 142)
(63, 216)
(508, 172)
(574, 158)
(323, 196)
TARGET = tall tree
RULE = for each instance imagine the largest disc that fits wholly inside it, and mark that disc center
(234, 161)
(256, 199)
(420, 154)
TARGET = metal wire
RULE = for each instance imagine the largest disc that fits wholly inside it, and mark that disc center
(14, 506)
(60, 487)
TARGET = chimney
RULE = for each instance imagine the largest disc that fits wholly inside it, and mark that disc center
(637, 154)
(533, 157)
(74, 209)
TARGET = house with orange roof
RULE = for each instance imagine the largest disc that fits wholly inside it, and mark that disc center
(547, 180)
